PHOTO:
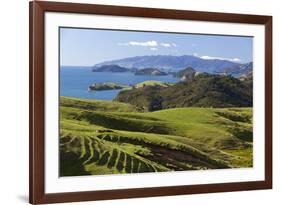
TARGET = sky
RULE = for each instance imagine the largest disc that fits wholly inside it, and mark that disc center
(87, 47)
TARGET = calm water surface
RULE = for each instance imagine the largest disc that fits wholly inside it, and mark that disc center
(74, 82)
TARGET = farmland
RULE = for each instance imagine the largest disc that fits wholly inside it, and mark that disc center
(108, 137)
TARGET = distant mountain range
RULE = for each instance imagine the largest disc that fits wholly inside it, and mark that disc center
(175, 63)
(242, 69)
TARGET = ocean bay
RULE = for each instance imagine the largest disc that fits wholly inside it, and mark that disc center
(74, 82)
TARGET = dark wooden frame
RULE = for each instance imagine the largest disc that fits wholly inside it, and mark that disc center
(36, 150)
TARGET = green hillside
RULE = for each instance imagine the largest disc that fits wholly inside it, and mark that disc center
(152, 83)
(104, 137)
(202, 90)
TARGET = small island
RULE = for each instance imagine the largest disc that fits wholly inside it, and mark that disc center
(107, 86)
(110, 68)
(150, 71)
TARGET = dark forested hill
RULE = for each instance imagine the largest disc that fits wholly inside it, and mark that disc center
(204, 90)
(110, 68)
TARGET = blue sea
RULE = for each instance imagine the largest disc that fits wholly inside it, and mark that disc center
(74, 82)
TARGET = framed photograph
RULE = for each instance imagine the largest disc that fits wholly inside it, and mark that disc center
(139, 102)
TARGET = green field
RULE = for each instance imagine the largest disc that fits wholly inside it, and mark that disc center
(106, 137)
(152, 83)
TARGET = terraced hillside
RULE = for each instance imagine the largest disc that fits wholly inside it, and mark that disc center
(104, 137)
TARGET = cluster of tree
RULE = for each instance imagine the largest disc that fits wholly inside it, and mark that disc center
(203, 90)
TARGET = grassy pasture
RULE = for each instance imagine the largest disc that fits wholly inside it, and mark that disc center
(104, 137)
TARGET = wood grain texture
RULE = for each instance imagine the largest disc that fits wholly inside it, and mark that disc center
(36, 151)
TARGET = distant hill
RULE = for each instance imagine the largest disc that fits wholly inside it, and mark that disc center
(176, 63)
(247, 78)
(204, 90)
(106, 86)
(239, 70)
(110, 68)
(186, 74)
(150, 71)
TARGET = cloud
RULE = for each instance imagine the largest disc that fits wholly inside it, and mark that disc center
(153, 49)
(151, 43)
(138, 43)
(236, 59)
(165, 44)
(216, 58)
(219, 58)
